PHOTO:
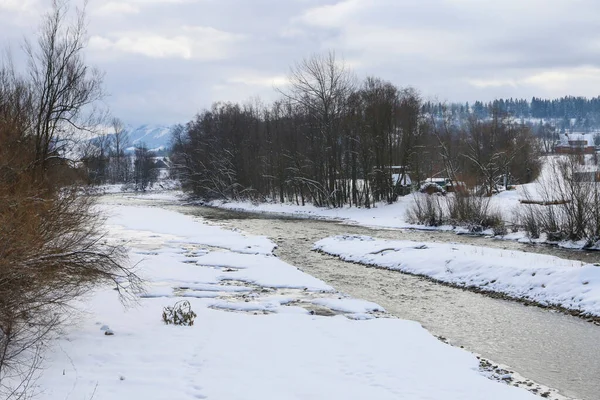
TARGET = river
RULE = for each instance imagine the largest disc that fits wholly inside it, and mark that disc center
(549, 347)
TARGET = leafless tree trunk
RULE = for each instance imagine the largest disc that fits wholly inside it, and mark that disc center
(65, 88)
(322, 85)
(120, 142)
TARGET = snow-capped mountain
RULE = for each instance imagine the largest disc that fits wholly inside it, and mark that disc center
(155, 137)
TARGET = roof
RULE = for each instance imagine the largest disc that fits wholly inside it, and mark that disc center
(579, 137)
(406, 181)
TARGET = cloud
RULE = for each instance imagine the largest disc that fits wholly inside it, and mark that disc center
(332, 15)
(491, 83)
(212, 44)
(144, 43)
(15, 15)
(256, 79)
(113, 8)
(197, 42)
(166, 59)
(131, 6)
(18, 6)
(552, 83)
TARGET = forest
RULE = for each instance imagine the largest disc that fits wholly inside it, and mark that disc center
(331, 140)
(566, 113)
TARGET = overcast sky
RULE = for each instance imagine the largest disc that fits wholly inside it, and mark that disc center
(167, 59)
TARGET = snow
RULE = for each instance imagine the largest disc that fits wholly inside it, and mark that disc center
(544, 279)
(280, 356)
(264, 270)
(193, 231)
(253, 337)
(164, 187)
(577, 136)
(381, 215)
(350, 305)
(153, 136)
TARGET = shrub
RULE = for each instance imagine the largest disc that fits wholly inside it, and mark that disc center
(426, 210)
(529, 221)
(566, 205)
(52, 248)
(474, 212)
(460, 209)
(180, 314)
(494, 220)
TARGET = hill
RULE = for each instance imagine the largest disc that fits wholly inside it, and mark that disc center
(155, 137)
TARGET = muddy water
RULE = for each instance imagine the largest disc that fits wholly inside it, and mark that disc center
(557, 350)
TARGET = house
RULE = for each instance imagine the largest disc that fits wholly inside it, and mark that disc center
(575, 144)
(446, 184)
(400, 176)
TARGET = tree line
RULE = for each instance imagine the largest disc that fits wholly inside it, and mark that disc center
(106, 160)
(568, 111)
(333, 141)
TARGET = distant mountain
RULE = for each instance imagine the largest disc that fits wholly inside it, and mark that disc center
(155, 137)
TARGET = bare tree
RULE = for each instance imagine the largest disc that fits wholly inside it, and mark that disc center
(566, 203)
(121, 136)
(409, 131)
(103, 143)
(378, 138)
(120, 142)
(321, 84)
(65, 89)
(52, 246)
(450, 139)
(144, 172)
(497, 149)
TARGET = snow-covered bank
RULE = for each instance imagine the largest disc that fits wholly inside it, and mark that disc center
(259, 333)
(162, 185)
(543, 279)
(394, 216)
(381, 215)
(511, 206)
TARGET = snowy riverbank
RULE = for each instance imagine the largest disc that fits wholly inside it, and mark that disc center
(394, 216)
(543, 279)
(506, 204)
(264, 330)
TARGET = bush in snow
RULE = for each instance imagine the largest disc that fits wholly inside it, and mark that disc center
(474, 212)
(566, 205)
(180, 314)
(461, 209)
(529, 220)
(426, 210)
(494, 221)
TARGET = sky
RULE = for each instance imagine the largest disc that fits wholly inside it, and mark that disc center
(166, 60)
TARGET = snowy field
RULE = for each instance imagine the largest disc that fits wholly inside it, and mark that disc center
(544, 279)
(264, 330)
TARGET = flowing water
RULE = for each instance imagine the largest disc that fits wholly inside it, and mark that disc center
(554, 349)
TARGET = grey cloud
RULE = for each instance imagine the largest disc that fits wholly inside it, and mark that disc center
(160, 71)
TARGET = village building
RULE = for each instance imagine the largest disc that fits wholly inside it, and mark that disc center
(576, 144)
